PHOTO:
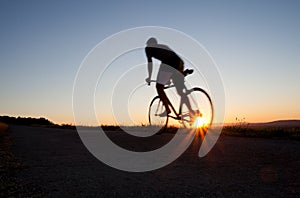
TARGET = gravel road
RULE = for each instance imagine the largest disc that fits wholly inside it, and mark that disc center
(58, 162)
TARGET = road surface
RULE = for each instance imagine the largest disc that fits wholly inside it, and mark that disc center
(58, 162)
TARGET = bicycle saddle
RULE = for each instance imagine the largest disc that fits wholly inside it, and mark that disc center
(187, 72)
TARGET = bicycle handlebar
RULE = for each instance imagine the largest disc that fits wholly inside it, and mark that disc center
(166, 86)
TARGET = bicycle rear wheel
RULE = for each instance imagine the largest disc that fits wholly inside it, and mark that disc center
(156, 107)
(202, 106)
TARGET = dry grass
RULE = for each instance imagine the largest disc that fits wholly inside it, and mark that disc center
(10, 184)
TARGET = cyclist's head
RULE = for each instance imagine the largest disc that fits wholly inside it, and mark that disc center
(152, 41)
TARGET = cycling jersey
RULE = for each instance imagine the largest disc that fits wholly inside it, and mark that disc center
(165, 55)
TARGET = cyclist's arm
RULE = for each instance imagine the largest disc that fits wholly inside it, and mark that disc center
(150, 65)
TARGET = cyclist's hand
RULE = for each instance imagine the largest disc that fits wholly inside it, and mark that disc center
(148, 80)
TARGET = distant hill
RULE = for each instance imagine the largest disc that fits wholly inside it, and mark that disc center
(278, 124)
(276, 129)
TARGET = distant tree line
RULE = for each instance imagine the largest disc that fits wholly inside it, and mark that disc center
(29, 121)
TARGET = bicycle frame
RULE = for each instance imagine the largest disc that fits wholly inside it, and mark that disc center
(184, 116)
(179, 114)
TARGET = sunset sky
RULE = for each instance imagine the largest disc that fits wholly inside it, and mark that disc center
(254, 43)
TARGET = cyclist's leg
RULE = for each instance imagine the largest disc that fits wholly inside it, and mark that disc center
(178, 80)
(163, 77)
(162, 95)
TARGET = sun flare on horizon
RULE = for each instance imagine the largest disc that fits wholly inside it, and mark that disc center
(199, 122)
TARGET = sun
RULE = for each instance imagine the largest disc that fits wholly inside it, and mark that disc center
(199, 122)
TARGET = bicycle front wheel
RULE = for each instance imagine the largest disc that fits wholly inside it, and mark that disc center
(203, 110)
(155, 109)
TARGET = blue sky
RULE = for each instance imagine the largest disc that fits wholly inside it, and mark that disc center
(254, 43)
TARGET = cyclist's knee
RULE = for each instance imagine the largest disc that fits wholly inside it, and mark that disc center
(179, 91)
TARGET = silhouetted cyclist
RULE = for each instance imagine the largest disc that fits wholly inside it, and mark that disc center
(171, 68)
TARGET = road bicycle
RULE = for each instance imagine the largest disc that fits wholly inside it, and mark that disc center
(201, 103)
